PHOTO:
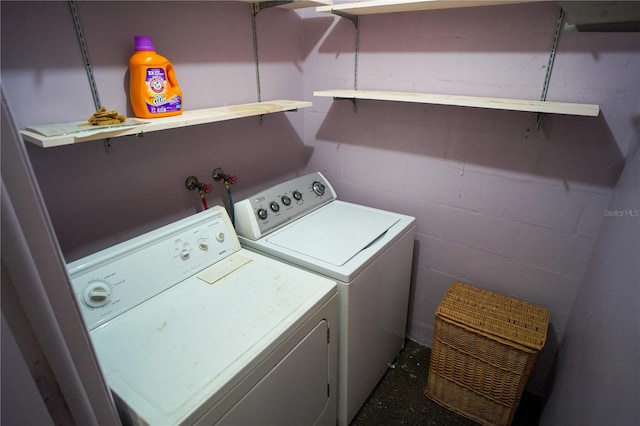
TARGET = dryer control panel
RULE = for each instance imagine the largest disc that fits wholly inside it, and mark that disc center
(114, 280)
(274, 207)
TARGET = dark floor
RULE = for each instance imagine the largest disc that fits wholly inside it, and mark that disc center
(399, 397)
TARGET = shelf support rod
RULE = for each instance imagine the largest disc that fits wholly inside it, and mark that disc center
(552, 56)
(85, 54)
(255, 8)
(355, 71)
(87, 63)
(356, 23)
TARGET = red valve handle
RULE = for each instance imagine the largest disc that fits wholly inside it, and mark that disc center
(232, 179)
(207, 188)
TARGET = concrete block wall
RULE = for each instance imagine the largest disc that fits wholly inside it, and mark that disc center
(498, 204)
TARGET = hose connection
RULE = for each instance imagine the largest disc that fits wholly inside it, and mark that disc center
(192, 183)
(219, 175)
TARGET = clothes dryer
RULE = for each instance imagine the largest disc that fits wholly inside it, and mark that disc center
(367, 251)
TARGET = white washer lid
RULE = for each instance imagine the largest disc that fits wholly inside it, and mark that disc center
(335, 233)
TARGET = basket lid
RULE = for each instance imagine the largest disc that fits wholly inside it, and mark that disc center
(495, 315)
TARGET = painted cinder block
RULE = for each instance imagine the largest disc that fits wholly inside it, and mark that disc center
(547, 206)
(593, 214)
(559, 252)
(509, 276)
(443, 256)
(477, 230)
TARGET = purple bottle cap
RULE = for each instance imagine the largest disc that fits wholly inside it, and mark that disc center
(143, 42)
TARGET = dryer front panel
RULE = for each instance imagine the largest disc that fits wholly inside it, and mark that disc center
(295, 392)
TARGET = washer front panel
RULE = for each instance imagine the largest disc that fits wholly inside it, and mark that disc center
(273, 208)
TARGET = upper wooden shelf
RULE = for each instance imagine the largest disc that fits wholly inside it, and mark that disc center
(293, 4)
(466, 101)
(187, 118)
(389, 6)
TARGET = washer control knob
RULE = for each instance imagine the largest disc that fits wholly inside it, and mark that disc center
(203, 244)
(274, 206)
(297, 195)
(318, 188)
(97, 294)
(184, 253)
(262, 214)
(285, 200)
(220, 236)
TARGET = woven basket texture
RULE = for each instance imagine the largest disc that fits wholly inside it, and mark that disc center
(467, 403)
(512, 321)
(484, 348)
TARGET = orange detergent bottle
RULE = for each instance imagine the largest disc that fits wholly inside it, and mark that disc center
(154, 90)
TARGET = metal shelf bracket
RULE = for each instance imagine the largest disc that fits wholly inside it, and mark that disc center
(552, 56)
(87, 63)
(352, 18)
(258, 6)
(255, 9)
(85, 54)
(355, 20)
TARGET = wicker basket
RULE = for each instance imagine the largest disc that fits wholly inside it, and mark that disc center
(484, 348)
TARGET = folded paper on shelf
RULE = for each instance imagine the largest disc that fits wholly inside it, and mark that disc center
(80, 128)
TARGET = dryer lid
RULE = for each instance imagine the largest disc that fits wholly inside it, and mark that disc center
(335, 233)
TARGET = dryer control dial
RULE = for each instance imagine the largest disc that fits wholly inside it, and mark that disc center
(97, 294)
(318, 188)
(262, 214)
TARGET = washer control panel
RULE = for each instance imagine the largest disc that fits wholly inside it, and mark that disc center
(116, 279)
(274, 207)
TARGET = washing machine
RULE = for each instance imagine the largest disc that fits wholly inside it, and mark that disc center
(190, 328)
(367, 251)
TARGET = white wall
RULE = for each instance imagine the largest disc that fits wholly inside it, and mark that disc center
(21, 400)
(598, 374)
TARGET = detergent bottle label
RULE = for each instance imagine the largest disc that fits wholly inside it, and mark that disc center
(161, 97)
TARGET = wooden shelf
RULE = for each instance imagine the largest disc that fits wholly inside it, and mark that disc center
(186, 119)
(296, 4)
(466, 101)
(390, 6)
